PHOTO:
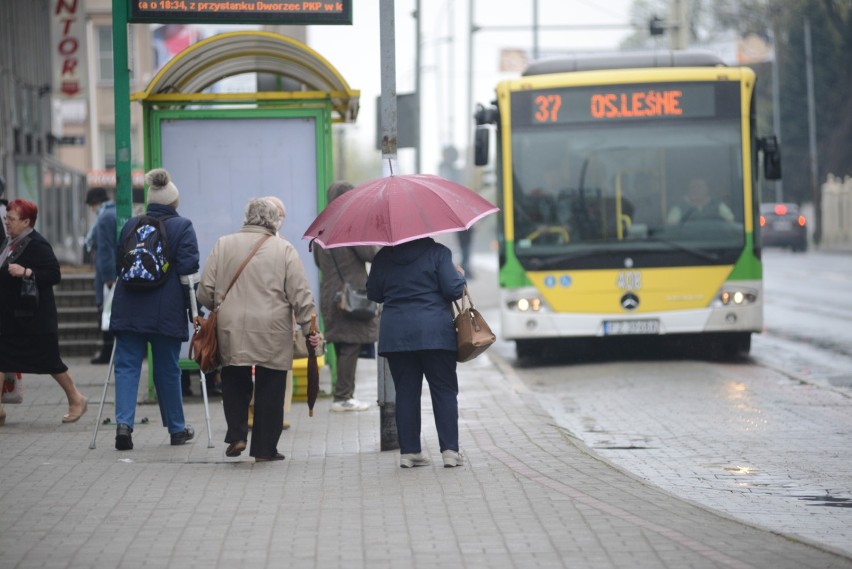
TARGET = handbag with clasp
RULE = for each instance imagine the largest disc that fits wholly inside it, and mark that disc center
(473, 335)
(353, 302)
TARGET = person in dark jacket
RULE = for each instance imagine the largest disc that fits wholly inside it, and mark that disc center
(416, 282)
(29, 337)
(339, 265)
(101, 241)
(158, 316)
(699, 204)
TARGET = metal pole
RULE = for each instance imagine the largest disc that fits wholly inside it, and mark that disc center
(121, 100)
(386, 392)
(815, 190)
(103, 398)
(679, 36)
(451, 73)
(536, 53)
(189, 281)
(776, 108)
(418, 80)
(468, 112)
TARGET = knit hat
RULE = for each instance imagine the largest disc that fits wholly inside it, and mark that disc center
(161, 190)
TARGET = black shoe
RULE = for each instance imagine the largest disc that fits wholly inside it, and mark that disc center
(214, 390)
(276, 456)
(236, 448)
(184, 436)
(123, 439)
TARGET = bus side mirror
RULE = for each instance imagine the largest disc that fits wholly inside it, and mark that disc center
(771, 157)
(480, 146)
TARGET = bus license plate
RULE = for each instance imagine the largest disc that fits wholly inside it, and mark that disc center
(625, 327)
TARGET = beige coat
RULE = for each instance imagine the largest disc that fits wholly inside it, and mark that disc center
(255, 324)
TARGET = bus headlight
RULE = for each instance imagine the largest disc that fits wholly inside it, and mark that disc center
(734, 296)
(526, 300)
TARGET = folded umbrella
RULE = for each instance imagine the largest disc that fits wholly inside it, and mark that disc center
(313, 367)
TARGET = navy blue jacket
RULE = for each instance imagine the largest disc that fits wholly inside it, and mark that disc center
(161, 310)
(103, 240)
(416, 282)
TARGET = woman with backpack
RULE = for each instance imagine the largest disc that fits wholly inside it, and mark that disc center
(151, 306)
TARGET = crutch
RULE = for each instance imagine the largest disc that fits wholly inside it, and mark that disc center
(189, 281)
(103, 397)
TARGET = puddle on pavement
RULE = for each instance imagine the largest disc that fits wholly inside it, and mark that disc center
(829, 501)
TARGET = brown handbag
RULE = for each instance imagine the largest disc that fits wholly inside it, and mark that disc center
(204, 347)
(473, 335)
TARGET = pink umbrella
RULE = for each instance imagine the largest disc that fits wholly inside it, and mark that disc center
(397, 209)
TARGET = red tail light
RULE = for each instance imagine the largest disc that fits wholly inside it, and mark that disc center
(780, 209)
(762, 221)
(801, 220)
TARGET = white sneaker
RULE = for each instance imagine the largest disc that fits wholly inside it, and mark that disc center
(452, 458)
(349, 405)
(410, 460)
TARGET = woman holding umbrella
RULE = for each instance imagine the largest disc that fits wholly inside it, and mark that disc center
(255, 325)
(417, 282)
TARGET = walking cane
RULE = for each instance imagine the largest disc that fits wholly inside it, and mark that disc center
(103, 397)
(190, 281)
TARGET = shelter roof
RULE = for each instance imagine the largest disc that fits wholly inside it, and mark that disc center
(189, 73)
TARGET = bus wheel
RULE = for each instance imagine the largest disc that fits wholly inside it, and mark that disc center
(526, 350)
(736, 346)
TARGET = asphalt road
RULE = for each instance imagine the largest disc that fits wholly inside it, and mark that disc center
(765, 440)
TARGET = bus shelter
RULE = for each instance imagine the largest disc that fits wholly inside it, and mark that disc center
(223, 148)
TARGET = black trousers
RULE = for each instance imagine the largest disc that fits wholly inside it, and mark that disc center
(268, 406)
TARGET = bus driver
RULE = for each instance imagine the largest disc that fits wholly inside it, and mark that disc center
(699, 204)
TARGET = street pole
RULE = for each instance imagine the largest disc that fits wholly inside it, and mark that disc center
(387, 393)
(776, 108)
(815, 190)
(536, 52)
(121, 101)
(679, 37)
(418, 85)
(468, 150)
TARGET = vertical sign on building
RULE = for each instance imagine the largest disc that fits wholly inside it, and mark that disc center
(67, 39)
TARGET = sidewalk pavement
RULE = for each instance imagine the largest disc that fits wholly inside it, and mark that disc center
(528, 496)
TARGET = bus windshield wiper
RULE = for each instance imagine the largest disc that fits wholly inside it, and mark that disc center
(548, 262)
(680, 246)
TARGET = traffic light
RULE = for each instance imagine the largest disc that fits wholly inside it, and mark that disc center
(657, 26)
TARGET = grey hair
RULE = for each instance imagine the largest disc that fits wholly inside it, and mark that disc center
(261, 212)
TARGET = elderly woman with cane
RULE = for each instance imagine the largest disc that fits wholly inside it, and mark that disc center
(256, 302)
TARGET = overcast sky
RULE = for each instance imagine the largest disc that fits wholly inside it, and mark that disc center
(355, 52)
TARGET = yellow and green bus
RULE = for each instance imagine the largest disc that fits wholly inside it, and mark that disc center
(627, 184)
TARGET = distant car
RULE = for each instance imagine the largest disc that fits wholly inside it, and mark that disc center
(783, 225)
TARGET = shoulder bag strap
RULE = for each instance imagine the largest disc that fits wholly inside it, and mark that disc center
(256, 248)
(336, 266)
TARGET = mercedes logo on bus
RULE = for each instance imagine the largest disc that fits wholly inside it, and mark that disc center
(629, 301)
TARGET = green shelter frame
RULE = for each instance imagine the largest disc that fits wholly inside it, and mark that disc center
(317, 91)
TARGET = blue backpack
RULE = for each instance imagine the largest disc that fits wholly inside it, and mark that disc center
(144, 259)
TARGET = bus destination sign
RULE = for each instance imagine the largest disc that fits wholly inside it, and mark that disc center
(622, 103)
(240, 11)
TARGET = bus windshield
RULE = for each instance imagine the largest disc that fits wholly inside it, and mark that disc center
(583, 189)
